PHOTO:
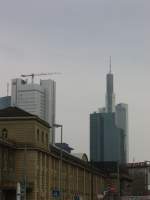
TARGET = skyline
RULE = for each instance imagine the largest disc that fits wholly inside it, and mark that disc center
(77, 38)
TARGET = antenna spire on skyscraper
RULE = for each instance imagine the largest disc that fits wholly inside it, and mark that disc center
(110, 96)
(110, 65)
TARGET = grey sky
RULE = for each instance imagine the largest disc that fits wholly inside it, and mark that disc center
(76, 37)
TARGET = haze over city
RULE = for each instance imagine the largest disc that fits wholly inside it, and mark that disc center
(76, 37)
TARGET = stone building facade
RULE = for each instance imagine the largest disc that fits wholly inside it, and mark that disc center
(140, 174)
(27, 158)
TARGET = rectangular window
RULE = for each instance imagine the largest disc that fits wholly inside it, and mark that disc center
(42, 137)
(38, 135)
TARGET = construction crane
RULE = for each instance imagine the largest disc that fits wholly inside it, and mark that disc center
(41, 74)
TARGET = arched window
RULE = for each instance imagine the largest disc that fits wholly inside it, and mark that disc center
(38, 134)
(42, 137)
(47, 138)
(4, 133)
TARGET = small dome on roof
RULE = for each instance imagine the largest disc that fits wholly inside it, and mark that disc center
(81, 156)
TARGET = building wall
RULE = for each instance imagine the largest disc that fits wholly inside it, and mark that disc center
(26, 131)
(41, 165)
(7, 170)
(42, 173)
(7, 164)
(140, 174)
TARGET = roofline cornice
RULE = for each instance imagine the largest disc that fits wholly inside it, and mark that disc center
(25, 118)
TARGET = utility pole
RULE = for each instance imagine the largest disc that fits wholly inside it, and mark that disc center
(118, 179)
(25, 173)
(91, 180)
(1, 152)
(60, 168)
(61, 164)
(7, 89)
(18, 193)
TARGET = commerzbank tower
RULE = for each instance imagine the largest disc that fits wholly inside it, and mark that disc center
(109, 128)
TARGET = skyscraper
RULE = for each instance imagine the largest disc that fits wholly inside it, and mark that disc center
(37, 99)
(122, 123)
(110, 96)
(108, 129)
(104, 138)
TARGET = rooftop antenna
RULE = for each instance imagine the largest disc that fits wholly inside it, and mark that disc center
(110, 65)
(7, 89)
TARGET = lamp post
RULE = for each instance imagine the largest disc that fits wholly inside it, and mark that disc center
(25, 173)
(1, 152)
(60, 168)
(92, 180)
(118, 178)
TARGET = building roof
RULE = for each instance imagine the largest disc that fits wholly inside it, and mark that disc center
(15, 112)
(64, 146)
(139, 164)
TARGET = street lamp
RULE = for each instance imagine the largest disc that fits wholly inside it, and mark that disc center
(118, 178)
(60, 168)
(25, 173)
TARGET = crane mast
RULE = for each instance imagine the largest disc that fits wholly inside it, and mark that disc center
(32, 75)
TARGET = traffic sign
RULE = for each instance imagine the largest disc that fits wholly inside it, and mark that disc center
(113, 189)
(55, 193)
(76, 197)
(22, 187)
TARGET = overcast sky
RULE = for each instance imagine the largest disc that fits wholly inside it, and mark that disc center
(76, 37)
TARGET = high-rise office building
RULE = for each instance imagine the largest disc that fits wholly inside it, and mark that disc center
(37, 99)
(109, 129)
(122, 123)
(105, 138)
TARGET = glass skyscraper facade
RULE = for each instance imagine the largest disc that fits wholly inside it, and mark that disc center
(122, 123)
(5, 102)
(106, 139)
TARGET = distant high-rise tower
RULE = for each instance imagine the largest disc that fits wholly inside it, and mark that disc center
(110, 96)
(122, 123)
